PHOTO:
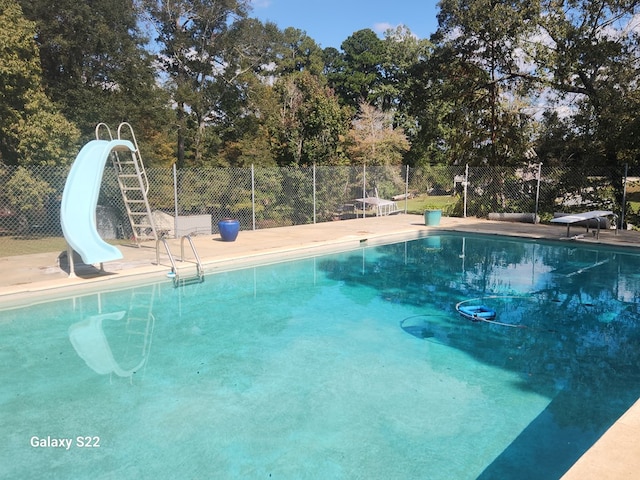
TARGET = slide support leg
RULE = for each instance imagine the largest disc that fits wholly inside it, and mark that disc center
(72, 271)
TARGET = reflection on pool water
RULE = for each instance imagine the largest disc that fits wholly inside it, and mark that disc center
(351, 365)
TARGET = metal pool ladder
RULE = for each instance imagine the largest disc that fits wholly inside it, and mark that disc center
(177, 280)
(134, 185)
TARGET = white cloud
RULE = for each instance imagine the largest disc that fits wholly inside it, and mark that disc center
(382, 27)
(260, 3)
(397, 32)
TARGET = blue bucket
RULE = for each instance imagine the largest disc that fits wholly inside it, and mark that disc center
(432, 217)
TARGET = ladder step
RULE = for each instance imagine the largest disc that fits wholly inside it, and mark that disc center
(133, 332)
(183, 282)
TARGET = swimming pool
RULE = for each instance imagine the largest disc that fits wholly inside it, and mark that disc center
(349, 365)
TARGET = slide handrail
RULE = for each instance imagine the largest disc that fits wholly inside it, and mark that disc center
(139, 163)
(105, 126)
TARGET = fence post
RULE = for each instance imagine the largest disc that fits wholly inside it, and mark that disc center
(535, 213)
(364, 190)
(466, 182)
(253, 198)
(406, 190)
(314, 193)
(175, 201)
(624, 195)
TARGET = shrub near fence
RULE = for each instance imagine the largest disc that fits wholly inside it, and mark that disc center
(263, 197)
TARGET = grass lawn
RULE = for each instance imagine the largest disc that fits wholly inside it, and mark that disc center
(27, 245)
(633, 195)
(419, 204)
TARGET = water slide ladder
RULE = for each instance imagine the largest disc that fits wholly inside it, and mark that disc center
(178, 281)
(140, 324)
(134, 185)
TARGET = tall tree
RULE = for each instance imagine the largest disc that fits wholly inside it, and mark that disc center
(402, 50)
(479, 69)
(205, 49)
(19, 72)
(250, 54)
(32, 129)
(373, 140)
(311, 124)
(245, 134)
(296, 51)
(94, 63)
(356, 74)
(588, 53)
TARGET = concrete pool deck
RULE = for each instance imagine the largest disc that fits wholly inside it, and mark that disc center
(615, 456)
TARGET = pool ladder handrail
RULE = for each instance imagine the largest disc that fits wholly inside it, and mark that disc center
(198, 263)
(163, 240)
(174, 268)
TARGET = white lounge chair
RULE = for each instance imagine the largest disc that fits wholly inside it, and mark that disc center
(381, 206)
(598, 215)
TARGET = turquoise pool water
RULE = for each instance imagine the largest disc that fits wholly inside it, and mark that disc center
(350, 365)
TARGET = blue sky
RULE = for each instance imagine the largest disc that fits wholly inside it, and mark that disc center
(330, 22)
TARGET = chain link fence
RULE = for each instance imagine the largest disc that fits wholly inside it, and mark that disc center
(194, 200)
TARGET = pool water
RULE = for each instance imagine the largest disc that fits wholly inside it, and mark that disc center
(350, 365)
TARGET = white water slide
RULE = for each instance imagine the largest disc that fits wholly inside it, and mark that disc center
(80, 199)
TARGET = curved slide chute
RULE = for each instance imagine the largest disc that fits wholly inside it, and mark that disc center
(91, 344)
(80, 199)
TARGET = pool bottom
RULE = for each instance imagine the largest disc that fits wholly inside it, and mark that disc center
(312, 394)
(304, 370)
